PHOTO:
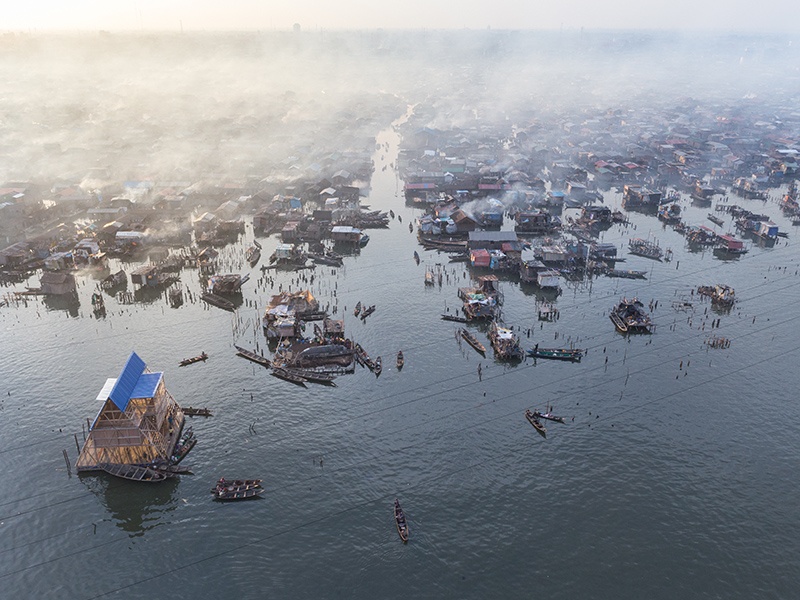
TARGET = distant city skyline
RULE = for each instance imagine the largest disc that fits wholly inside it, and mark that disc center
(250, 15)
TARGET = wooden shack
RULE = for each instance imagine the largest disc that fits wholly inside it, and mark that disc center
(57, 284)
(139, 421)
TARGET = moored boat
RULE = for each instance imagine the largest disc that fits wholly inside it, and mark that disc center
(253, 255)
(182, 448)
(367, 312)
(456, 318)
(535, 422)
(400, 360)
(286, 375)
(250, 355)
(357, 309)
(218, 301)
(472, 341)
(313, 375)
(378, 366)
(645, 248)
(400, 521)
(361, 355)
(134, 472)
(196, 412)
(573, 354)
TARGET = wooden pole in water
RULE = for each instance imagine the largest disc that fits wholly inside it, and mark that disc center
(66, 460)
(77, 445)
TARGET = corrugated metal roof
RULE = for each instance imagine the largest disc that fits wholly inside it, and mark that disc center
(146, 385)
(126, 382)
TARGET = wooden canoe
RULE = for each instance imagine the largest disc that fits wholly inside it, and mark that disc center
(250, 355)
(195, 359)
(473, 341)
(196, 412)
(549, 416)
(573, 354)
(400, 521)
(288, 376)
(247, 494)
(134, 472)
(536, 424)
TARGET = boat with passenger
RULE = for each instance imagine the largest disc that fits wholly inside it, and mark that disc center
(195, 359)
(537, 425)
(400, 521)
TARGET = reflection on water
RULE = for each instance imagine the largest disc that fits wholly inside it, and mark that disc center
(70, 304)
(135, 507)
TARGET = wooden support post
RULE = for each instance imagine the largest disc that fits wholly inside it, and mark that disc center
(77, 445)
(66, 460)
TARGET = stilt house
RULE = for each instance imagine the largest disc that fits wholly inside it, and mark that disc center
(139, 421)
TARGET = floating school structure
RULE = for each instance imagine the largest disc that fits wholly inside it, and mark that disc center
(139, 422)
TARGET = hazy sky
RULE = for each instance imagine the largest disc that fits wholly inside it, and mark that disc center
(737, 15)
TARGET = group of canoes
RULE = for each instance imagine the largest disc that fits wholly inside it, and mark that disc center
(376, 366)
(365, 312)
(535, 419)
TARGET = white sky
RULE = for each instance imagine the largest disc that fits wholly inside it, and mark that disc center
(211, 15)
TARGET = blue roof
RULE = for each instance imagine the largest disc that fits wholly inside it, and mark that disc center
(146, 386)
(127, 380)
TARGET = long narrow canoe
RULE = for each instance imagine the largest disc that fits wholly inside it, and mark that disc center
(536, 424)
(573, 354)
(248, 494)
(456, 318)
(549, 416)
(288, 376)
(134, 472)
(218, 301)
(250, 355)
(400, 521)
(473, 341)
(190, 411)
(312, 375)
(190, 361)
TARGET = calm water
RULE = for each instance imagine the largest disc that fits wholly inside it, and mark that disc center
(677, 477)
